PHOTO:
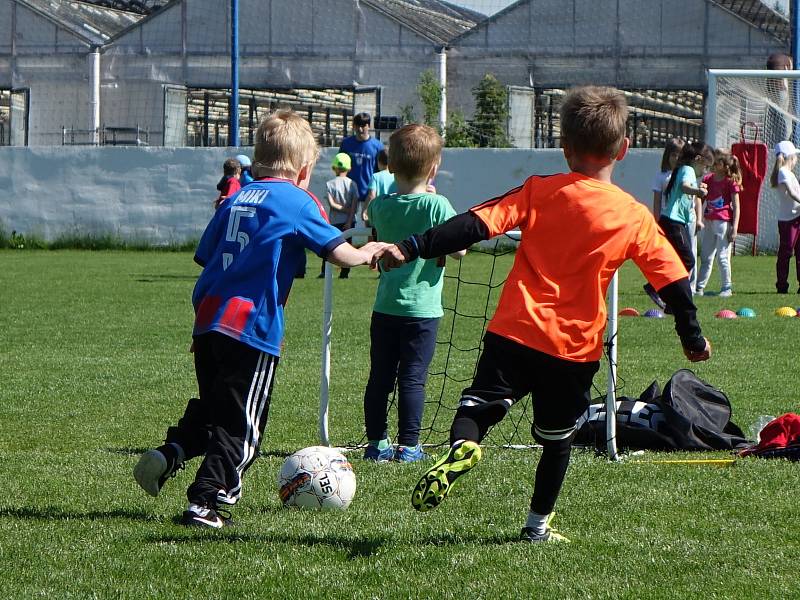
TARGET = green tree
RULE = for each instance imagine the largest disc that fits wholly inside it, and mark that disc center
(459, 132)
(407, 115)
(429, 91)
(491, 113)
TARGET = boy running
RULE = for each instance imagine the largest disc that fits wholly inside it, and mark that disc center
(547, 332)
(249, 253)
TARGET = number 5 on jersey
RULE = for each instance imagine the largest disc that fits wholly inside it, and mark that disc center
(233, 234)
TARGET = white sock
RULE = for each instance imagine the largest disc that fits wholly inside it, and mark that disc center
(200, 511)
(537, 522)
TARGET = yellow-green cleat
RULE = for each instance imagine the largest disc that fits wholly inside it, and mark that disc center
(439, 479)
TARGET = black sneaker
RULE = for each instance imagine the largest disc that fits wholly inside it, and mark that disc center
(201, 516)
(651, 291)
(156, 466)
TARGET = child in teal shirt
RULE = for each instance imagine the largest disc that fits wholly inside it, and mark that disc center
(408, 303)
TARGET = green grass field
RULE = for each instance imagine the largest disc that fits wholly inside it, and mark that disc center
(95, 366)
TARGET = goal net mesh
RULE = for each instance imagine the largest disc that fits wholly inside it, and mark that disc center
(755, 110)
(471, 292)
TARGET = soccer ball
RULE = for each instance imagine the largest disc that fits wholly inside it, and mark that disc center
(317, 477)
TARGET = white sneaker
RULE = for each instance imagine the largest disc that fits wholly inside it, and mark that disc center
(698, 292)
(726, 293)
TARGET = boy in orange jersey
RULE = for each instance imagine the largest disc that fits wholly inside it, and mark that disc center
(547, 332)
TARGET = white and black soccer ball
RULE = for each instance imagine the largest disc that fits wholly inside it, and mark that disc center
(317, 477)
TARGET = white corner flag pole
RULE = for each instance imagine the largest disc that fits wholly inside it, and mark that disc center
(325, 377)
(611, 390)
(327, 325)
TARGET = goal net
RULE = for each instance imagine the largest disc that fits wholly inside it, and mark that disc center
(471, 292)
(747, 109)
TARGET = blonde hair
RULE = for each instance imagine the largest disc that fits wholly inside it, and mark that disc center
(284, 144)
(780, 161)
(594, 121)
(414, 150)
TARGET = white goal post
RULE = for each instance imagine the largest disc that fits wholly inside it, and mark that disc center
(763, 101)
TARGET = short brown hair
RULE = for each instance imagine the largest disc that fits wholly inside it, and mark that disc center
(230, 166)
(413, 150)
(284, 143)
(593, 121)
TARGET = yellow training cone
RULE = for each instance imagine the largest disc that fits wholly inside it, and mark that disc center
(786, 311)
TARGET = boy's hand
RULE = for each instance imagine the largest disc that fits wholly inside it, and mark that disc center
(699, 355)
(732, 233)
(391, 257)
(372, 252)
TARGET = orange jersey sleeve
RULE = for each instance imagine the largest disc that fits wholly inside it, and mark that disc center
(506, 212)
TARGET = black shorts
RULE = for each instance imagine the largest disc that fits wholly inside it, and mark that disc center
(561, 389)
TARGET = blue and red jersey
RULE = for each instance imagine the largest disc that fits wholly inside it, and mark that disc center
(250, 252)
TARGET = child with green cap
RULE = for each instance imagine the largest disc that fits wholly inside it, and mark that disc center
(342, 196)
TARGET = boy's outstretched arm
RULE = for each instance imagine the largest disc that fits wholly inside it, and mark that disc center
(451, 237)
(678, 296)
(345, 255)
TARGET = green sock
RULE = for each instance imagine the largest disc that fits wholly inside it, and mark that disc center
(380, 444)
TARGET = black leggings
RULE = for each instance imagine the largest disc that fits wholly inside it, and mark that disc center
(678, 235)
(507, 371)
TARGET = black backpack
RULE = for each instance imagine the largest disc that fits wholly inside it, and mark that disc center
(690, 414)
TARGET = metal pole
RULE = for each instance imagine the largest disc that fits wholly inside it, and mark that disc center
(443, 84)
(233, 112)
(611, 389)
(794, 16)
(325, 375)
(94, 82)
(794, 19)
(327, 326)
(711, 109)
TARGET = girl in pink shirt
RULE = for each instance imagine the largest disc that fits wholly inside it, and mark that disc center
(721, 220)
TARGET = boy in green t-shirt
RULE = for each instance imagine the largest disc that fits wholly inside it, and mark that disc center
(408, 304)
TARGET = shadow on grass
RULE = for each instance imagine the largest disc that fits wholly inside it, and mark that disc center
(354, 547)
(53, 513)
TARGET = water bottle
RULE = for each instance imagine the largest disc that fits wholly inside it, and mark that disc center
(761, 422)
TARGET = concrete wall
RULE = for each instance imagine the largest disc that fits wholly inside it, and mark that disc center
(164, 195)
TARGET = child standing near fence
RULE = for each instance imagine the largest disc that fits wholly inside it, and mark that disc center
(229, 184)
(669, 159)
(788, 214)
(341, 193)
(721, 220)
(681, 215)
(408, 303)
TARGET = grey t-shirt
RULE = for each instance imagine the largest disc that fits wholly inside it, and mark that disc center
(345, 192)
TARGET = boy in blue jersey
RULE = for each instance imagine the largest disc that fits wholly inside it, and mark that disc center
(249, 253)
